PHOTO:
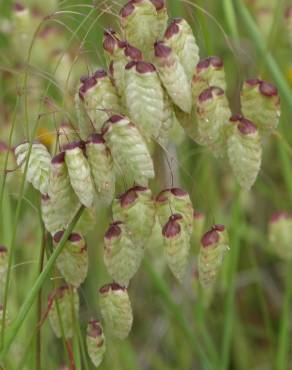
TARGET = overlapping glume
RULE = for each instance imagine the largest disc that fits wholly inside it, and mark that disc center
(122, 256)
(129, 150)
(63, 303)
(176, 245)
(72, 262)
(38, 168)
(116, 310)
(280, 235)
(95, 342)
(175, 200)
(260, 103)
(136, 209)
(244, 150)
(214, 245)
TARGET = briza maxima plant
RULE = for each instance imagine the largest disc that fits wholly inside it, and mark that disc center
(154, 81)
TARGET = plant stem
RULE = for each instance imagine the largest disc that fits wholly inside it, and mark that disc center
(36, 287)
(230, 18)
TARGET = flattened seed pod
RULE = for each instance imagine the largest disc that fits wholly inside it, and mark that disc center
(136, 209)
(60, 204)
(208, 72)
(95, 342)
(175, 200)
(140, 24)
(116, 310)
(260, 103)
(3, 265)
(79, 173)
(280, 234)
(144, 97)
(73, 260)
(179, 36)
(122, 256)
(173, 76)
(64, 301)
(214, 244)
(129, 150)
(99, 97)
(101, 166)
(38, 169)
(213, 116)
(120, 53)
(244, 150)
(176, 245)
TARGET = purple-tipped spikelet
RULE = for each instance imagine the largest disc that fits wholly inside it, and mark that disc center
(95, 341)
(116, 310)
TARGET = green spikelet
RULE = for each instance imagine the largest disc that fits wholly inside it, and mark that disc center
(87, 221)
(67, 300)
(144, 97)
(214, 244)
(61, 203)
(122, 256)
(167, 122)
(208, 72)
(101, 166)
(116, 310)
(38, 166)
(85, 127)
(119, 54)
(140, 24)
(213, 116)
(173, 76)
(162, 16)
(129, 150)
(99, 98)
(280, 235)
(175, 200)
(176, 245)
(136, 209)
(260, 103)
(73, 260)
(180, 38)
(244, 149)
(79, 173)
(95, 342)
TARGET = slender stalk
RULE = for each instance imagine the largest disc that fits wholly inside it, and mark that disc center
(36, 287)
(230, 18)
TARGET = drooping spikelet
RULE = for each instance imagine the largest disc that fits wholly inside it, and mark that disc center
(144, 97)
(99, 98)
(136, 209)
(116, 310)
(244, 150)
(122, 256)
(280, 234)
(173, 76)
(73, 260)
(162, 16)
(140, 24)
(129, 150)
(95, 341)
(175, 200)
(60, 204)
(214, 244)
(260, 103)
(63, 301)
(213, 116)
(208, 72)
(79, 173)
(101, 166)
(38, 169)
(179, 36)
(176, 245)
